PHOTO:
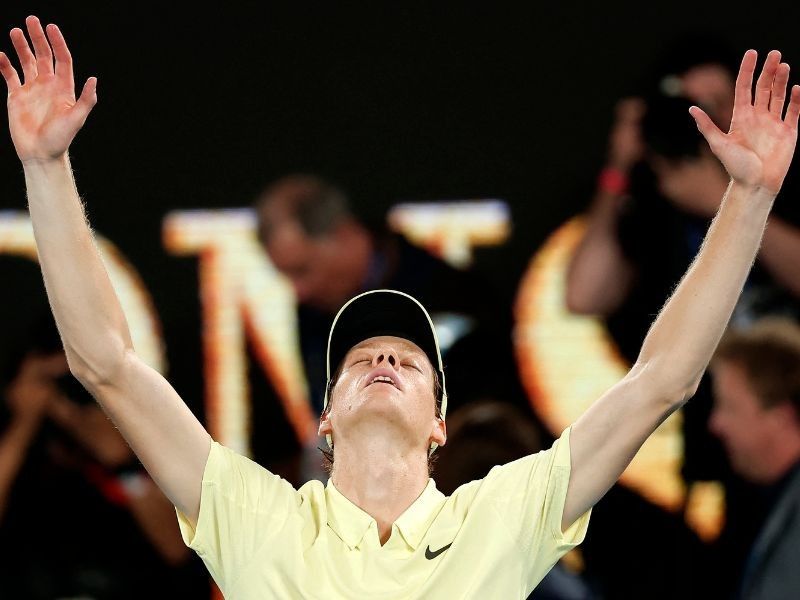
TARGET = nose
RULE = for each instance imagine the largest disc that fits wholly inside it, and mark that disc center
(385, 355)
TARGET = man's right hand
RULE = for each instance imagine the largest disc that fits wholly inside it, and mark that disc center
(43, 114)
(31, 393)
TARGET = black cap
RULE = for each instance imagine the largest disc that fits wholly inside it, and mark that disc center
(384, 312)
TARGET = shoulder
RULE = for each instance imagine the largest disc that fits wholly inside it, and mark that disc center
(241, 478)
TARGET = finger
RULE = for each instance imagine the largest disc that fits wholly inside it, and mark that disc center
(26, 58)
(62, 54)
(778, 97)
(707, 127)
(41, 47)
(794, 108)
(85, 103)
(766, 79)
(9, 73)
(744, 80)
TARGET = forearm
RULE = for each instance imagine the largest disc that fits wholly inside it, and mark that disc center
(780, 253)
(599, 274)
(87, 311)
(14, 444)
(681, 341)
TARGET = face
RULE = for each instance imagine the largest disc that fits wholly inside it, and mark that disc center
(385, 386)
(317, 268)
(711, 86)
(745, 427)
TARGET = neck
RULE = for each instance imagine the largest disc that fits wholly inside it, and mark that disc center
(380, 477)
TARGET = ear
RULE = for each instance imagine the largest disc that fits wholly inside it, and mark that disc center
(325, 424)
(439, 433)
(784, 414)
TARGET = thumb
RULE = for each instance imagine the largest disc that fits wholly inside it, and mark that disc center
(85, 103)
(707, 127)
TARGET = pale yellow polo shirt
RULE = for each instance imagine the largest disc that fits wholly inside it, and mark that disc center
(493, 538)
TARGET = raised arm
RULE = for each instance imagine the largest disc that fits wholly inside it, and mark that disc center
(28, 397)
(600, 276)
(44, 117)
(756, 153)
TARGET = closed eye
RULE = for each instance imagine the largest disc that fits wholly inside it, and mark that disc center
(413, 366)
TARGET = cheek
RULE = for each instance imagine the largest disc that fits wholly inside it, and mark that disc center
(424, 400)
(744, 435)
(343, 393)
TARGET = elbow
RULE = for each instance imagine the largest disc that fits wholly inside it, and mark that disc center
(579, 302)
(588, 296)
(576, 303)
(99, 372)
(663, 386)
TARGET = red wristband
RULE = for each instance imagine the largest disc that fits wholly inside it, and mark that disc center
(612, 181)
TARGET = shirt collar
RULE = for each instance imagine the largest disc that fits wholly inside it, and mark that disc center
(351, 523)
(417, 518)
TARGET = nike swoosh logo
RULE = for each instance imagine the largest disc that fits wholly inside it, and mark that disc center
(431, 555)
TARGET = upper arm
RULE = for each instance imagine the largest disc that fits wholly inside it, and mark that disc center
(162, 431)
(608, 435)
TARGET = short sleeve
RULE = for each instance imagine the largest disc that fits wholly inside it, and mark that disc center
(530, 494)
(242, 507)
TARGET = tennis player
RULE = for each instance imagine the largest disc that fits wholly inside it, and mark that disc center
(379, 528)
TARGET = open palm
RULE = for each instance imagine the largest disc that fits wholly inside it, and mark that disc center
(758, 148)
(43, 113)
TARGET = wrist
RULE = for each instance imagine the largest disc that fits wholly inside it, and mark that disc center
(39, 164)
(755, 194)
(613, 180)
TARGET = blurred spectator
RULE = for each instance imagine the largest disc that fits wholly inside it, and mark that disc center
(480, 436)
(329, 255)
(654, 201)
(756, 414)
(79, 517)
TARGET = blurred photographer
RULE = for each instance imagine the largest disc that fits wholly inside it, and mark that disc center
(71, 490)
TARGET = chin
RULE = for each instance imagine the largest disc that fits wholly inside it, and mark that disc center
(380, 407)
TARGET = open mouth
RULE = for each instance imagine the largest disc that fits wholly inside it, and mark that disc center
(384, 376)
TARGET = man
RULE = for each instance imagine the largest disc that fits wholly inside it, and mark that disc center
(757, 416)
(112, 532)
(379, 528)
(329, 255)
